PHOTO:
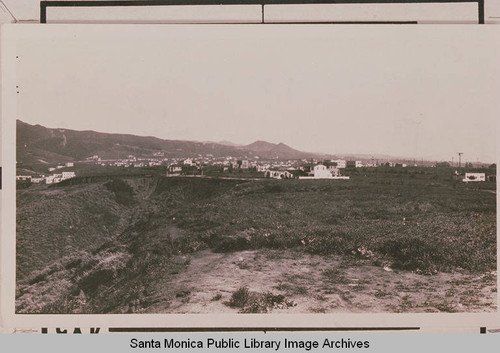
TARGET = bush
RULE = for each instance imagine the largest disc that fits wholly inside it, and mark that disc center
(414, 254)
(239, 298)
(258, 302)
(216, 297)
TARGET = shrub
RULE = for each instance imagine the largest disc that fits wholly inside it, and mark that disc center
(216, 297)
(414, 254)
(258, 302)
(239, 298)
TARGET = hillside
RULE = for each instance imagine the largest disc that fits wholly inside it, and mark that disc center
(39, 144)
(55, 221)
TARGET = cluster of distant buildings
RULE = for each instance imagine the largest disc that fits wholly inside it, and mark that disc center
(270, 168)
(175, 165)
(53, 178)
(129, 162)
(288, 169)
(46, 179)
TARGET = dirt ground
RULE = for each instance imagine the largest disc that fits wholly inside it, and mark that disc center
(318, 284)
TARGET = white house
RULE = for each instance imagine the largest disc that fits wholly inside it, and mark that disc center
(334, 171)
(174, 168)
(37, 180)
(70, 164)
(320, 171)
(188, 162)
(278, 174)
(341, 163)
(23, 177)
(263, 168)
(68, 175)
(245, 164)
(53, 179)
(472, 177)
(56, 178)
(358, 164)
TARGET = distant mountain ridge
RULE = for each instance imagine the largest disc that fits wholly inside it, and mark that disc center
(267, 147)
(228, 143)
(39, 144)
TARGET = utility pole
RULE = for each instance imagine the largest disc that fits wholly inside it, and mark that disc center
(460, 159)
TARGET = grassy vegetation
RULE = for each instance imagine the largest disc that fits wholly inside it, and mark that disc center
(125, 232)
(417, 221)
(252, 303)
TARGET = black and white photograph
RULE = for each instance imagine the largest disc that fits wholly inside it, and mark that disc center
(270, 170)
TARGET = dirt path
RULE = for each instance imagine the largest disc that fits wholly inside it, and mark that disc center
(319, 284)
(490, 191)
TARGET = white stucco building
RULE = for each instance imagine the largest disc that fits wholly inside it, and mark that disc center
(341, 163)
(473, 177)
(68, 175)
(335, 171)
(245, 164)
(278, 174)
(321, 171)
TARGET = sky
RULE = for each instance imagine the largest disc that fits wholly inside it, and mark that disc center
(424, 92)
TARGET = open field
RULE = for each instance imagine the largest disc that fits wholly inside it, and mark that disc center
(388, 240)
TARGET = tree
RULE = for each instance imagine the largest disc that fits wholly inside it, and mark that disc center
(442, 165)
